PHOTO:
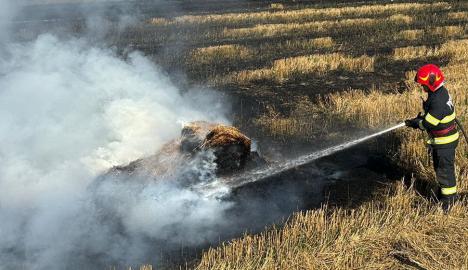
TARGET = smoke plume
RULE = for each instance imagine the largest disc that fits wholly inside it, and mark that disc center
(69, 112)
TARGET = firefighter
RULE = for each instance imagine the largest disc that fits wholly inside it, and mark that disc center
(439, 121)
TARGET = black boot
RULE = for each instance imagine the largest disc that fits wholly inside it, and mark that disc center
(447, 201)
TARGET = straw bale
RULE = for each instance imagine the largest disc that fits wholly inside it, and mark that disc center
(230, 147)
(224, 135)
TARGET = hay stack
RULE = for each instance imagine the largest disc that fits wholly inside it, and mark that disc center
(230, 146)
(222, 135)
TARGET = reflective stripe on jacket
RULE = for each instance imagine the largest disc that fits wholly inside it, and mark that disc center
(439, 119)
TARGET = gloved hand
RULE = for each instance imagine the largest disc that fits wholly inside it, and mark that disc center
(415, 122)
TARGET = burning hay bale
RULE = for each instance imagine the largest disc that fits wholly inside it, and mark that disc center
(230, 146)
(231, 149)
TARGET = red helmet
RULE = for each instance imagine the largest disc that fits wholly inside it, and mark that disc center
(431, 76)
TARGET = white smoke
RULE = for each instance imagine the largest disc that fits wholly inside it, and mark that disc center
(68, 113)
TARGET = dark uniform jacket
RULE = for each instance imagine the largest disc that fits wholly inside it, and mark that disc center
(439, 119)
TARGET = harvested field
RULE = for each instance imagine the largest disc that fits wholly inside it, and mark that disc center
(301, 15)
(297, 67)
(319, 27)
(351, 66)
(303, 76)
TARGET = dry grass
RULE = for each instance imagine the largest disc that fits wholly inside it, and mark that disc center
(269, 50)
(301, 121)
(275, 30)
(461, 15)
(320, 63)
(297, 67)
(370, 109)
(369, 19)
(278, 6)
(400, 18)
(414, 52)
(413, 34)
(400, 224)
(234, 53)
(324, 42)
(363, 24)
(221, 54)
(293, 22)
(454, 49)
(449, 31)
(300, 15)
